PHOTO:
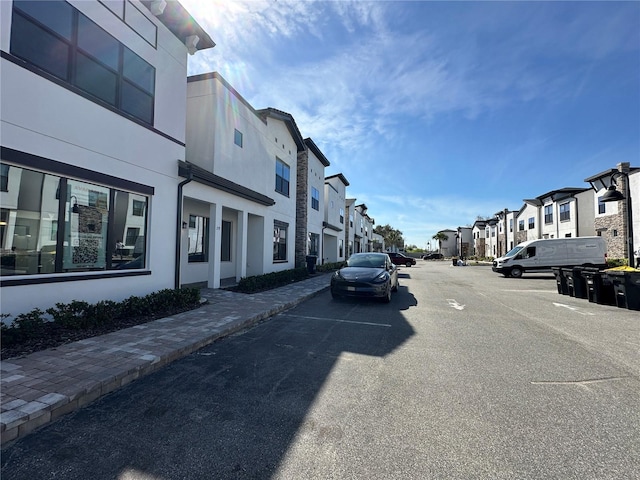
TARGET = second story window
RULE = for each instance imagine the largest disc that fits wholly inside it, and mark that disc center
(601, 206)
(315, 198)
(520, 225)
(282, 177)
(548, 214)
(342, 215)
(565, 211)
(58, 39)
(532, 223)
(237, 137)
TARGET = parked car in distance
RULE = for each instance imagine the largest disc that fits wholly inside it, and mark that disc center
(366, 275)
(401, 259)
(433, 256)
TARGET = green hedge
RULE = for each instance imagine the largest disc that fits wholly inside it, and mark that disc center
(79, 315)
(258, 283)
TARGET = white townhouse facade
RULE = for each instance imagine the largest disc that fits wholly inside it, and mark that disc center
(310, 203)
(359, 212)
(478, 233)
(464, 241)
(350, 223)
(505, 235)
(240, 182)
(334, 226)
(448, 247)
(92, 115)
(610, 218)
(528, 221)
(567, 212)
(491, 237)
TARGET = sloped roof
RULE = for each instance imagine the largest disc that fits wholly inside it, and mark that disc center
(316, 151)
(289, 121)
(343, 180)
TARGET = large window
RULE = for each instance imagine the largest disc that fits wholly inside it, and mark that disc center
(53, 224)
(520, 225)
(532, 223)
(315, 198)
(280, 241)
(282, 177)
(565, 212)
(548, 214)
(55, 37)
(198, 244)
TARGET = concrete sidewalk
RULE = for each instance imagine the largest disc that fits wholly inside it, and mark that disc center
(39, 388)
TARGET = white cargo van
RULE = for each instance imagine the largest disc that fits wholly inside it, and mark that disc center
(541, 255)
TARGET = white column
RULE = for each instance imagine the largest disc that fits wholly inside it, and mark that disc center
(241, 245)
(215, 237)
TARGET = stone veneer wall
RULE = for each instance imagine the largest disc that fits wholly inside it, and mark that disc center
(302, 206)
(606, 226)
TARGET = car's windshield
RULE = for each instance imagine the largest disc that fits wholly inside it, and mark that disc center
(371, 261)
(513, 251)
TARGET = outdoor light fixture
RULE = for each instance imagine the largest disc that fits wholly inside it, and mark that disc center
(157, 7)
(614, 195)
(191, 42)
(75, 208)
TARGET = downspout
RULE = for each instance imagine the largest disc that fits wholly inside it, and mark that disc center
(179, 228)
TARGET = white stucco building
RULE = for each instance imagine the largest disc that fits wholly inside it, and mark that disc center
(91, 139)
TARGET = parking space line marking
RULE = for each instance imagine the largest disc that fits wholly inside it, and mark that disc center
(386, 325)
(573, 309)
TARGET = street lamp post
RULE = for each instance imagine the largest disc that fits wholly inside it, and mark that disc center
(614, 195)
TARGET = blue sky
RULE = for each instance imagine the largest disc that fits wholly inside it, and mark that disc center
(440, 112)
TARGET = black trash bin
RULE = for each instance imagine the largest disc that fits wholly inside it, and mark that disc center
(455, 262)
(311, 263)
(599, 287)
(561, 281)
(626, 286)
(575, 281)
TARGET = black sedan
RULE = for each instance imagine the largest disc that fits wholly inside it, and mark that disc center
(366, 275)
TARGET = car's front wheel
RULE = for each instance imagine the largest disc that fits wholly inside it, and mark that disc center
(408, 264)
(387, 297)
(516, 272)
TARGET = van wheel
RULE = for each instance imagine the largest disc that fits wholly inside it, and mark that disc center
(516, 272)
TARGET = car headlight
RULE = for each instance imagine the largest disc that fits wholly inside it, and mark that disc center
(383, 277)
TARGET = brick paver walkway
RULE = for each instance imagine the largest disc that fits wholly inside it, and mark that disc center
(39, 388)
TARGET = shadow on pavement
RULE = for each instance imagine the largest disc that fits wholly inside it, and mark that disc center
(230, 410)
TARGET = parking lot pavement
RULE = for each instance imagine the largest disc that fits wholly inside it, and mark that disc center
(39, 388)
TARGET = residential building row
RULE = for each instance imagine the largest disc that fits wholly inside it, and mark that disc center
(565, 212)
(122, 176)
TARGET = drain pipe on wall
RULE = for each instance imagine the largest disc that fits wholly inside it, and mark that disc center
(179, 228)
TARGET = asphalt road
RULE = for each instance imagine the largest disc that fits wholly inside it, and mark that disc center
(464, 375)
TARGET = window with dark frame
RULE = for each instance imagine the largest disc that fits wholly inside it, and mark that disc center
(520, 225)
(602, 207)
(4, 177)
(282, 177)
(548, 214)
(55, 37)
(198, 239)
(138, 208)
(315, 198)
(280, 241)
(565, 212)
(91, 237)
(532, 223)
